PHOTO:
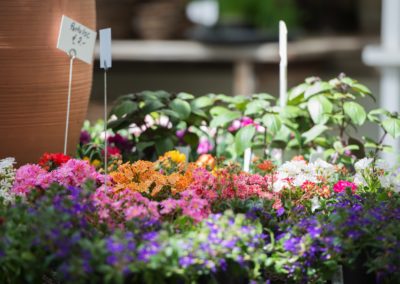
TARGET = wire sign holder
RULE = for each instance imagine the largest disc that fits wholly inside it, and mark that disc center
(78, 42)
(105, 64)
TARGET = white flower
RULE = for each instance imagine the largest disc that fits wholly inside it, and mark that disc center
(359, 180)
(315, 204)
(292, 168)
(6, 163)
(279, 185)
(363, 164)
(385, 181)
(383, 165)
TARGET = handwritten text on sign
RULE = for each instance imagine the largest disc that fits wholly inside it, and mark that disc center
(76, 39)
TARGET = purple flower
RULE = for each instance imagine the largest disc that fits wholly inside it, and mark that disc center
(280, 211)
(114, 247)
(85, 137)
(292, 244)
(186, 261)
(180, 134)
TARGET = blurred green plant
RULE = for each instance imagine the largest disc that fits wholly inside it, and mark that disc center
(259, 13)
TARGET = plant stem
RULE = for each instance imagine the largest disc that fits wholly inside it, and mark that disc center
(379, 145)
(342, 126)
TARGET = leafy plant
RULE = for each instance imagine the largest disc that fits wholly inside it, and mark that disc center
(156, 117)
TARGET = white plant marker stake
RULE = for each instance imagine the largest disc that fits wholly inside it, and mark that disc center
(247, 160)
(282, 68)
(283, 63)
(78, 42)
(105, 64)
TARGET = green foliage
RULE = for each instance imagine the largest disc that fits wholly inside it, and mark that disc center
(157, 116)
(260, 13)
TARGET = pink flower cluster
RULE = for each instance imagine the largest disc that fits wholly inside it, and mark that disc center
(228, 186)
(341, 186)
(244, 121)
(116, 208)
(72, 173)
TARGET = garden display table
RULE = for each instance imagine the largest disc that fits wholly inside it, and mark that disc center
(243, 57)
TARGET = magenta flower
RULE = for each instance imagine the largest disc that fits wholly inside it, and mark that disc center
(205, 146)
(341, 186)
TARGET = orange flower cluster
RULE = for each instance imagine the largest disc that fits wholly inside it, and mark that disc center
(143, 177)
(312, 189)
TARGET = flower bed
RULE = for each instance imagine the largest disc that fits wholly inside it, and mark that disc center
(167, 220)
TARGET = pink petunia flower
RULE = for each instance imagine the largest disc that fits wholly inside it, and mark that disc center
(341, 186)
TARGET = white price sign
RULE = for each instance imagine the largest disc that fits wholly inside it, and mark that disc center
(76, 39)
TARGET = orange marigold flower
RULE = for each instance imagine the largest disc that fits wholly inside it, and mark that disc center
(266, 166)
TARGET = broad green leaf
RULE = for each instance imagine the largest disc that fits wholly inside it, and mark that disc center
(243, 138)
(123, 108)
(256, 106)
(374, 115)
(272, 122)
(356, 112)
(224, 118)
(219, 110)
(317, 88)
(314, 132)
(185, 96)
(202, 102)
(181, 107)
(319, 107)
(392, 127)
(152, 106)
(264, 96)
(290, 112)
(297, 93)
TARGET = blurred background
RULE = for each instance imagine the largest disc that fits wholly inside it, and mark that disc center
(230, 46)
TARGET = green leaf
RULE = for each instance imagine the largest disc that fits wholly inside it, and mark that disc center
(392, 127)
(314, 132)
(219, 110)
(374, 115)
(317, 88)
(164, 145)
(224, 118)
(202, 102)
(355, 111)
(297, 93)
(191, 139)
(256, 106)
(319, 107)
(272, 122)
(126, 107)
(185, 96)
(290, 112)
(264, 96)
(181, 107)
(151, 106)
(140, 146)
(243, 138)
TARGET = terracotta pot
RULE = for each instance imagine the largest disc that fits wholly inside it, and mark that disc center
(34, 78)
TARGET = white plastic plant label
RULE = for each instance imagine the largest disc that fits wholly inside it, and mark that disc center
(76, 39)
(105, 48)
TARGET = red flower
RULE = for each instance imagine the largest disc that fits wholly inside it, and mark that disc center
(112, 151)
(51, 161)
